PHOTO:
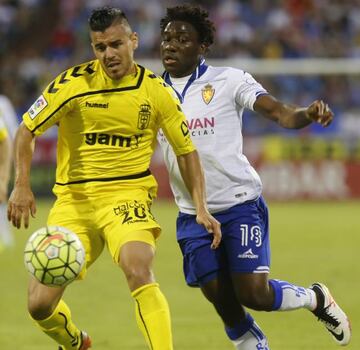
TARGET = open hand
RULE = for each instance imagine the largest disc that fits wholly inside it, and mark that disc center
(21, 203)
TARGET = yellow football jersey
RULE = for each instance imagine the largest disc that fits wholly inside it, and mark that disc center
(107, 129)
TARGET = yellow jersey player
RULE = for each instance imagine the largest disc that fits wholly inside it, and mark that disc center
(108, 112)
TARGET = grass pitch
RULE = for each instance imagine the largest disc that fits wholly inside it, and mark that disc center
(310, 242)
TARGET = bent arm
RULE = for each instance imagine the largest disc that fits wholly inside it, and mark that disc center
(5, 166)
(21, 200)
(193, 177)
(291, 116)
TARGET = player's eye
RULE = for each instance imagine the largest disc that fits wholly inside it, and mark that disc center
(116, 44)
(100, 48)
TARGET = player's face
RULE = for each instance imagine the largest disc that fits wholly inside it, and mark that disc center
(114, 48)
(180, 48)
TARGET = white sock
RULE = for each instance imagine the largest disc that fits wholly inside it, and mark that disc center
(6, 236)
(291, 297)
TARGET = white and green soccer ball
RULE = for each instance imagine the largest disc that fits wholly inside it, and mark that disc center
(54, 255)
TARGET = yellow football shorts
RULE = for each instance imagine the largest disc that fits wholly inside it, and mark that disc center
(112, 218)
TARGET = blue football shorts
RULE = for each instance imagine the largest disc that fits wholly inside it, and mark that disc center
(244, 247)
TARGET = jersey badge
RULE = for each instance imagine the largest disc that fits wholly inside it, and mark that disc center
(144, 116)
(207, 93)
(37, 107)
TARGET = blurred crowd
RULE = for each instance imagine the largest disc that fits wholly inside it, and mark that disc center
(40, 38)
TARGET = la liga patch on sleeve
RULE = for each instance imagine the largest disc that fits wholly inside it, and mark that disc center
(37, 107)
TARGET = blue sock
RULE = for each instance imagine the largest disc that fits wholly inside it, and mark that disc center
(247, 335)
(240, 329)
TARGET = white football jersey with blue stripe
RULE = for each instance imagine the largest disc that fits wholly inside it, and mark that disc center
(213, 100)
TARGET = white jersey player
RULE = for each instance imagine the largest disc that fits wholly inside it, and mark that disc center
(235, 275)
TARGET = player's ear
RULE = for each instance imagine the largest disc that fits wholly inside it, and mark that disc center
(93, 48)
(203, 49)
(92, 42)
(134, 40)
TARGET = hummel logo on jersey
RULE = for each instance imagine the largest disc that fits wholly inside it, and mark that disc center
(248, 255)
(113, 140)
(96, 105)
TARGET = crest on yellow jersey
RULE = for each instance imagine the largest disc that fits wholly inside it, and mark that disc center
(144, 116)
(207, 93)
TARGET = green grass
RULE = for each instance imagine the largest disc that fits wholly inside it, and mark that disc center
(310, 242)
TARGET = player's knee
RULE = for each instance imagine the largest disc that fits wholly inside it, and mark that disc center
(40, 309)
(223, 301)
(137, 275)
(227, 307)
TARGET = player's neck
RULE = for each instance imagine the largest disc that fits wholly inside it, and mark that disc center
(179, 80)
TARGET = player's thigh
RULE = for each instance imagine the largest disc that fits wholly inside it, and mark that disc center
(246, 239)
(126, 217)
(77, 216)
(250, 283)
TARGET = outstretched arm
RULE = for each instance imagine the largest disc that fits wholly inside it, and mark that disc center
(293, 117)
(22, 202)
(193, 176)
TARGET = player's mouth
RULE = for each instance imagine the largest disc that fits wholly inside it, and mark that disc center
(169, 59)
(112, 65)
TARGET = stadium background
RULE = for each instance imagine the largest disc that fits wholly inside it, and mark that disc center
(299, 50)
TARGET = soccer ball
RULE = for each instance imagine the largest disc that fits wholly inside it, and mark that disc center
(54, 255)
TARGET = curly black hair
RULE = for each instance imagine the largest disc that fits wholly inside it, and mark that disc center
(103, 17)
(194, 15)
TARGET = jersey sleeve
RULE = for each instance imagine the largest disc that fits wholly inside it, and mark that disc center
(246, 89)
(172, 120)
(50, 107)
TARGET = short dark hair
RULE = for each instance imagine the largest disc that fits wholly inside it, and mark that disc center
(103, 17)
(194, 15)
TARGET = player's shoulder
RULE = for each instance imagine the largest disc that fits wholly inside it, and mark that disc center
(157, 84)
(75, 80)
(153, 79)
(230, 73)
